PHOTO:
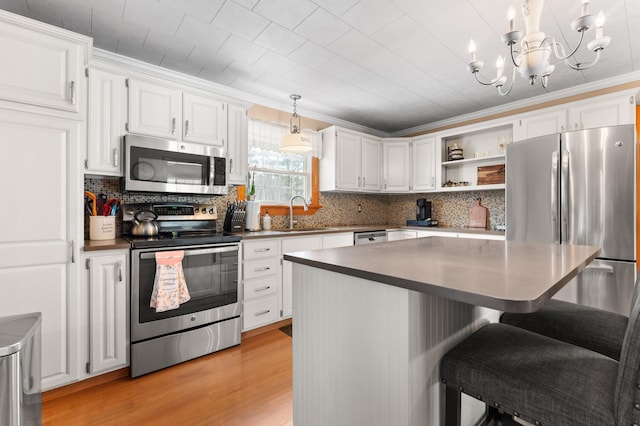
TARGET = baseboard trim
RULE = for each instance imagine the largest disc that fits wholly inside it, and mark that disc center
(85, 384)
(265, 329)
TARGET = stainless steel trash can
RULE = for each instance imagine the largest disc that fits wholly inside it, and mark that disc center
(20, 388)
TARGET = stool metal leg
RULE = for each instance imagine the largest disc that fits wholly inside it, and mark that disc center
(452, 407)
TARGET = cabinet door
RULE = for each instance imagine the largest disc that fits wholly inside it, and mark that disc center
(154, 110)
(397, 166)
(37, 273)
(106, 123)
(610, 111)
(107, 312)
(540, 124)
(205, 120)
(344, 239)
(238, 140)
(424, 164)
(291, 245)
(371, 161)
(348, 161)
(41, 69)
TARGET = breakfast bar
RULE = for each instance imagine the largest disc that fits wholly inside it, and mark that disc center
(372, 322)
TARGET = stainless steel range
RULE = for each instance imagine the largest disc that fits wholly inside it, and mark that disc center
(210, 320)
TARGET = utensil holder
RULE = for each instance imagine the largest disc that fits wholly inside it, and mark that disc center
(102, 227)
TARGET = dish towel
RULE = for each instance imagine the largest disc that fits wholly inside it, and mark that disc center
(169, 287)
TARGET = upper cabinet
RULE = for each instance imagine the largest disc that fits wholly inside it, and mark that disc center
(238, 140)
(351, 161)
(396, 155)
(164, 111)
(106, 123)
(28, 49)
(610, 110)
(540, 123)
(423, 163)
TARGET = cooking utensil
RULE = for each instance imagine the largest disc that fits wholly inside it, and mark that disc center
(144, 227)
(94, 209)
(478, 216)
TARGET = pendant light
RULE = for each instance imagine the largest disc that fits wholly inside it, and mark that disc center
(294, 141)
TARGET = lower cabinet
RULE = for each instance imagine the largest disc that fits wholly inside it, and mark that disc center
(108, 292)
(290, 245)
(450, 234)
(399, 234)
(262, 282)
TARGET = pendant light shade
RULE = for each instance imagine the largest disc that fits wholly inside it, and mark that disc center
(294, 141)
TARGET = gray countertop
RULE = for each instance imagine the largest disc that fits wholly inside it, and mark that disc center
(278, 233)
(504, 275)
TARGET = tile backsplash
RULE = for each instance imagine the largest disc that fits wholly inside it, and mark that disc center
(451, 209)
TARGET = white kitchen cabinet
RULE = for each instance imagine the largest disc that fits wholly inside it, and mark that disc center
(290, 245)
(401, 234)
(602, 111)
(39, 245)
(108, 302)
(106, 120)
(342, 239)
(238, 143)
(164, 111)
(540, 123)
(351, 161)
(154, 110)
(43, 65)
(262, 282)
(396, 155)
(423, 164)
(205, 120)
(454, 234)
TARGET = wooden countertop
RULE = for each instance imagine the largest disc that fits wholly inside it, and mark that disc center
(504, 275)
(115, 244)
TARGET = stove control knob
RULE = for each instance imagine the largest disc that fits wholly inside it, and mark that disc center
(204, 211)
(197, 210)
(210, 211)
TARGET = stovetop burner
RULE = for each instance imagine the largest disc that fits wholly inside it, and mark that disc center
(180, 224)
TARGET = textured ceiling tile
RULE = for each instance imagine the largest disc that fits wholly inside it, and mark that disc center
(353, 45)
(249, 4)
(242, 50)
(369, 16)
(312, 55)
(240, 21)
(199, 32)
(336, 7)
(180, 65)
(137, 52)
(151, 13)
(279, 39)
(322, 27)
(174, 47)
(288, 13)
(104, 26)
(276, 63)
(204, 10)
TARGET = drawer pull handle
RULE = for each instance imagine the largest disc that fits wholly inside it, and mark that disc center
(266, 311)
(266, 268)
(260, 250)
(266, 287)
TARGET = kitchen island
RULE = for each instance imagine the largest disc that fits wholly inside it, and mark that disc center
(372, 322)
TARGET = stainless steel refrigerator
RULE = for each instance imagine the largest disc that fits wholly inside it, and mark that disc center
(579, 188)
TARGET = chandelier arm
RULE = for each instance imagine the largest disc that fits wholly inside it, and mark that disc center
(580, 67)
(513, 59)
(513, 78)
(484, 83)
(564, 57)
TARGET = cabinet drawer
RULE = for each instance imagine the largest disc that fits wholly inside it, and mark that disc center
(260, 312)
(261, 268)
(260, 249)
(259, 288)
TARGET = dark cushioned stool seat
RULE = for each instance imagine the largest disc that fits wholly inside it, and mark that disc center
(590, 328)
(545, 381)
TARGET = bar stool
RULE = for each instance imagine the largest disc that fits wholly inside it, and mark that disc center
(545, 381)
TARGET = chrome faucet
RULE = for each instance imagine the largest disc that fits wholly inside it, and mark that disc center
(306, 208)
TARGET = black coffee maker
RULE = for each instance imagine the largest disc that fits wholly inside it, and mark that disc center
(423, 209)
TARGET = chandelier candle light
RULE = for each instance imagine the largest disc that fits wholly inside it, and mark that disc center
(294, 141)
(533, 61)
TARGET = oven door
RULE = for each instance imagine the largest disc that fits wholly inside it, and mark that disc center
(211, 274)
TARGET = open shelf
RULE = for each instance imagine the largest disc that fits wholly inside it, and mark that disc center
(472, 160)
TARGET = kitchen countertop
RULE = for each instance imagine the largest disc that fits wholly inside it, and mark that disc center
(504, 275)
(115, 244)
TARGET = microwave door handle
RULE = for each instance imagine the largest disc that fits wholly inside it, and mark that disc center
(195, 252)
(212, 164)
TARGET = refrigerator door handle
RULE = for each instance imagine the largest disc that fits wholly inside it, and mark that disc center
(599, 268)
(564, 198)
(554, 197)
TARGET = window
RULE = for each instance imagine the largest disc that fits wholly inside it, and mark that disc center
(277, 176)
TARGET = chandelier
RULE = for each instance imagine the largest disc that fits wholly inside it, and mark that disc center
(532, 61)
(294, 141)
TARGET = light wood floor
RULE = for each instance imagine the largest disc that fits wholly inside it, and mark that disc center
(250, 384)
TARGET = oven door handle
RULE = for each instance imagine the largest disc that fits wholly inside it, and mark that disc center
(195, 252)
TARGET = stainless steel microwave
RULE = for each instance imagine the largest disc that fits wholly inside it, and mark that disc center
(162, 165)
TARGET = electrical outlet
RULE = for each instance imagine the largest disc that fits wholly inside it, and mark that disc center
(359, 208)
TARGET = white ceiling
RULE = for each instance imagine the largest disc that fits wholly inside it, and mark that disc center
(388, 65)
